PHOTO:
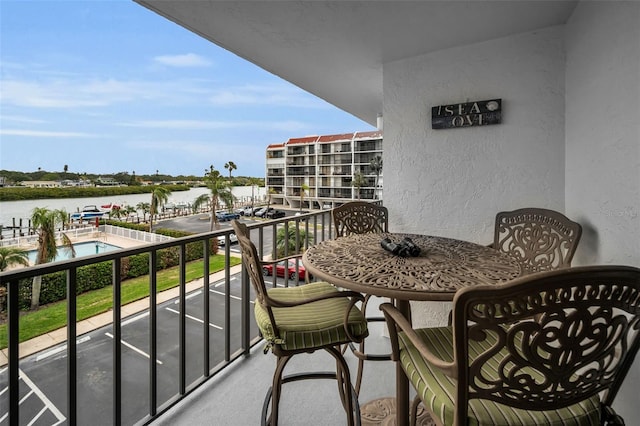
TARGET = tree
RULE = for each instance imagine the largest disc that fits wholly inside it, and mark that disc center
(115, 212)
(159, 196)
(10, 256)
(145, 207)
(230, 166)
(65, 169)
(303, 188)
(358, 182)
(253, 182)
(220, 193)
(286, 240)
(45, 222)
(270, 192)
(376, 166)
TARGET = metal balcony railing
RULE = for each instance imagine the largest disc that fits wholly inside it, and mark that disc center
(303, 230)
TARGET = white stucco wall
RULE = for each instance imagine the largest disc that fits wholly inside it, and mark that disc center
(603, 144)
(603, 130)
(452, 182)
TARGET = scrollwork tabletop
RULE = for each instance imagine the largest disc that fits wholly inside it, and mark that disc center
(444, 265)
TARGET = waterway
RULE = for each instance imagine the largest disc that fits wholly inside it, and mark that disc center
(10, 210)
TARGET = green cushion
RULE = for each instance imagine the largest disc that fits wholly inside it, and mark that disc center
(312, 325)
(438, 390)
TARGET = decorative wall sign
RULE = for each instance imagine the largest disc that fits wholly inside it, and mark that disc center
(479, 113)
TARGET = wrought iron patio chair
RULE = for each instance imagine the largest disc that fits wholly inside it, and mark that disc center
(541, 239)
(547, 348)
(360, 217)
(303, 319)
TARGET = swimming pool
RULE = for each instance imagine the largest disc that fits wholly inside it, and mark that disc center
(82, 249)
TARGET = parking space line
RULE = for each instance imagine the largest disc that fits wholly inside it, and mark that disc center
(192, 318)
(27, 395)
(59, 349)
(37, 416)
(221, 283)
(47, 403)
(134, 319)
(133, 348)
(223, 294)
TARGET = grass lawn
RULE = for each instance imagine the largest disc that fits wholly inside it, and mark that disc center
(53, 316)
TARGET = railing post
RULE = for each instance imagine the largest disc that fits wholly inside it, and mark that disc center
(117, 337)
(183, 321)
(13, 313)
(153, 334)
(207, 307)
(72, 370)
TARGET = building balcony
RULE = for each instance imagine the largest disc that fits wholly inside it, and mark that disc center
(169, 368)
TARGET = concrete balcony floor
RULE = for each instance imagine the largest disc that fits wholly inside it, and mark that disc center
(236, 395)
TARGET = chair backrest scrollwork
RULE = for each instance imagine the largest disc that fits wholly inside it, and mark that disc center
(583, 340)
(540, 239)
(360, 217)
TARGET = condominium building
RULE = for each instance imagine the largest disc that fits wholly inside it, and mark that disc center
(325, 171)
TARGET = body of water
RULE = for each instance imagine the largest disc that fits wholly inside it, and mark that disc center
(86, 248)
(23, 209)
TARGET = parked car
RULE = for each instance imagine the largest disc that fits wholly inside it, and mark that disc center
(249, 211)
(232, 240)
(239, 211)
(288, 266)
(263, 211)
(275, 214)
(224, 216)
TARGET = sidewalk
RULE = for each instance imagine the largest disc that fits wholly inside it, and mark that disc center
(58, 336)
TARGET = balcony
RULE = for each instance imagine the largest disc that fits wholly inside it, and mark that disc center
(205, 373)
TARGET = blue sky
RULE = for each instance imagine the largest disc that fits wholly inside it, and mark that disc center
(109, 86)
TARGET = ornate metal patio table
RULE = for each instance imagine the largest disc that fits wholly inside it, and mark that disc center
(445, 265)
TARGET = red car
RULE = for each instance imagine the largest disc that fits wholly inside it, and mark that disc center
(290, 271)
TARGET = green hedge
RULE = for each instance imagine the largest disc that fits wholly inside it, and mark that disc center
(99, 275)
(18, 194)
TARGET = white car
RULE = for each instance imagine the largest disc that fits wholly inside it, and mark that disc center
(232, 240)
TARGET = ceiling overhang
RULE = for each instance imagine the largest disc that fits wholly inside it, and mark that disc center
(336, 50)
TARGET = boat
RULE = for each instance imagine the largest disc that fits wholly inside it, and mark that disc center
(87, 213)
(110, 206)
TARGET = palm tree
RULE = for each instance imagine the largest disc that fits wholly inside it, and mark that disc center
(220, 193)
(230, 166)
(253, 182)
(145, 207)
(127, 210)
(12, 256)
(358, 182)
(270, 192)
(287, 239)
(115, 213)
(376, 166)
(45, 222)
(303, 188)
(159, 196)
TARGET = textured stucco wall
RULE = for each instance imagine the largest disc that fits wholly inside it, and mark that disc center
(603, 130)
(452, 182)
(603, 144)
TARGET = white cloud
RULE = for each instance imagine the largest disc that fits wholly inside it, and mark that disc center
(290, 125)
(77, 92)
(183, 61)
(21, 119)
(274, 94)
(43, 134)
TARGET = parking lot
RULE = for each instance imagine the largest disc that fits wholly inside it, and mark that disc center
(43, 375)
